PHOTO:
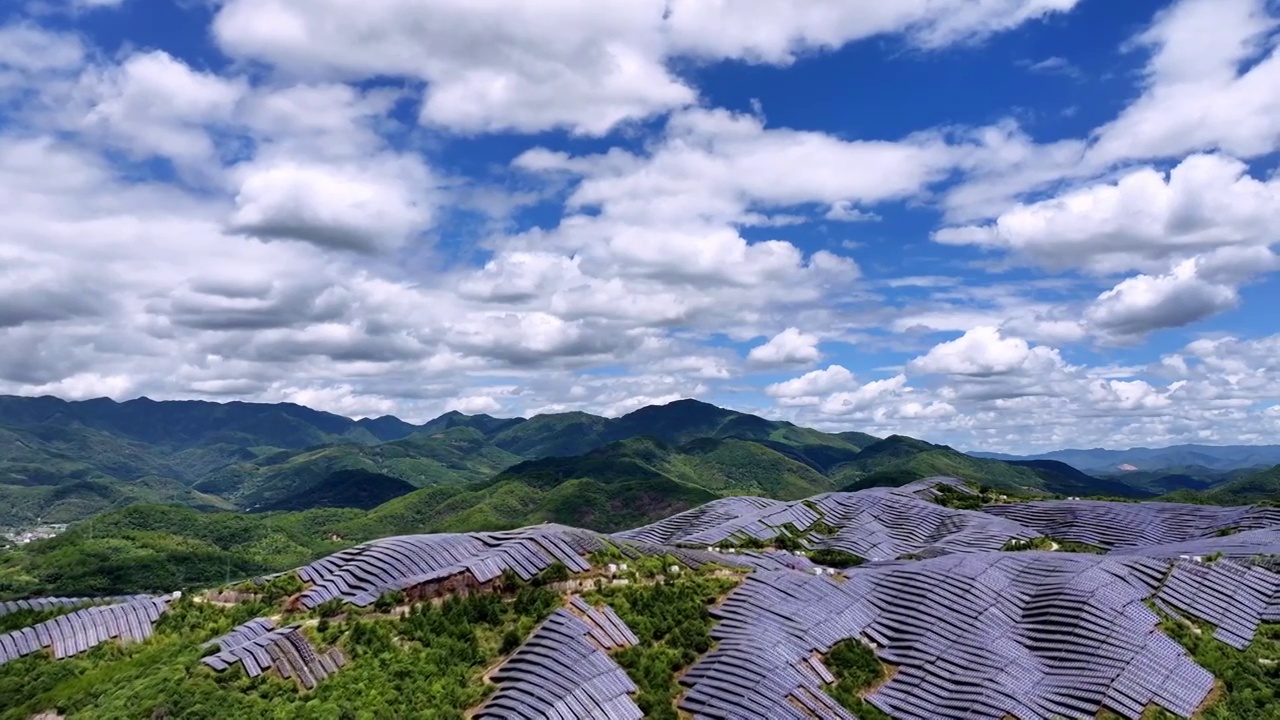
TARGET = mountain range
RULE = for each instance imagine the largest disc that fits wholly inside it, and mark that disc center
(63, 461)
(1216, 458)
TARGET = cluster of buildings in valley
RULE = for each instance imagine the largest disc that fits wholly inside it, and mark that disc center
(22, 536)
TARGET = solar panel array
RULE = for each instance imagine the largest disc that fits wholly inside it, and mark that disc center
(49, 603)
(1119, 524)
(1231, 596)
(564, 671)
(361, 574)
(718, 520)
(887, 523)
(78, 631)
(243, 633)
(876, 523)
(259, 647)
(1250, 546)
(981, 635)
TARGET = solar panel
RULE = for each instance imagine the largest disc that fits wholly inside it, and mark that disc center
(564, 670)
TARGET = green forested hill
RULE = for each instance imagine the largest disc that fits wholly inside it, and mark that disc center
(455, 456)
(1261, 487)
(60, 461)
(898, 460)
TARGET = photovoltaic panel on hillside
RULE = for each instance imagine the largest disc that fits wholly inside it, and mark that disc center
(363, 573)
(564, 671)
(41, 604)
(81, 630)
(875, 524)
(1035, 635)
(1120, 525)
(258, 646)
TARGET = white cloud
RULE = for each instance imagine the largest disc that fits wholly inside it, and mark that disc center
(1054, 65)
(844, 211)
(1202, 92)
(474, 405)
(29, 48)
(812, 384)
(775, 32)
(364, 207)
(1120, 395)
(670, 234)
(789, 347)
(562, 63)
(1145, 303)
(153, 104)
(488, 66)
(870, 395)
(1144, 221)
(983, 352)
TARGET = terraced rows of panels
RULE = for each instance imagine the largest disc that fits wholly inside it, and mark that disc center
(1120, 525)
(875, 524)
(363, 573)
(258, 646)
(52, 603)
(987, 635)
(563, 671)
(81, 630)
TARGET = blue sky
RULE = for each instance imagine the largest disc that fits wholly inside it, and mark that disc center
(1008, 225)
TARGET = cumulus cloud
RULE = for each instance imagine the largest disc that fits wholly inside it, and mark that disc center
(474, 405)
(982, 352)
(1210, 85)
(153, 104)
(28, 48)
(582, 66)
(871, 395)
(789, 347)
(1146, 220)
(365, 208)
(1145, 303)
(812, 384)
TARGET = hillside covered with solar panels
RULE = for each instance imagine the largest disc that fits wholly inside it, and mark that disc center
(933, 600)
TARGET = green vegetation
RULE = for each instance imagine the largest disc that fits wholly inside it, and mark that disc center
(836, 558)
(951, 497)
(674, 628)
(19, 619)
(147, 548)
(424, 665)
(857, 670)
(1250, 679)
(898, 460)
(1261, 488)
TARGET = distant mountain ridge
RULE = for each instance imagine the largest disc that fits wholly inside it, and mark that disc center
(62, 460)
(1211, 457)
